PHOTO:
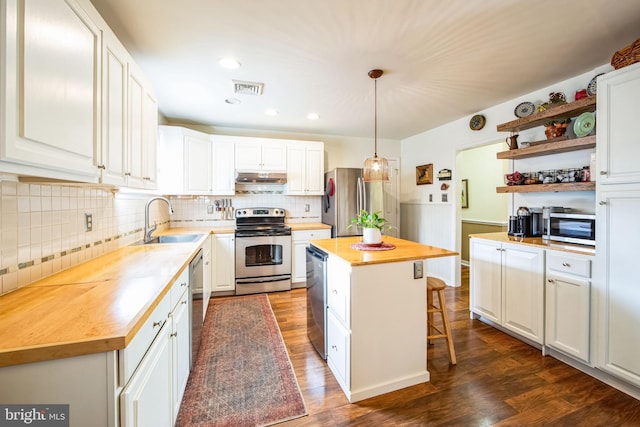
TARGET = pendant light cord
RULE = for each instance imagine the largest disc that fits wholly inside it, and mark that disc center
(375, 118)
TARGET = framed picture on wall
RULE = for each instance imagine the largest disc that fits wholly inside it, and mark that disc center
(424, 174)
(464, 194)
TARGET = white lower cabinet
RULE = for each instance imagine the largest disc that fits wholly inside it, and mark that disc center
(207, 272)
(181, 350)
(616, 282)
(224, 263)
(568, 301)
(147, 399)
(507, 286)
(370, 348)
(300, 240)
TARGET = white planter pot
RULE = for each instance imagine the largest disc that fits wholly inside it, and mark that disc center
(371, 235)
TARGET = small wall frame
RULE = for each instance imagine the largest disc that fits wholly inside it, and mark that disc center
(424, 174)
(464, 194)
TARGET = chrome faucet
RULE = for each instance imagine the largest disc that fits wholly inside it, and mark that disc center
(147, 228)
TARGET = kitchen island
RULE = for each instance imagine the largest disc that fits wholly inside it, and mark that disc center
(377, 315)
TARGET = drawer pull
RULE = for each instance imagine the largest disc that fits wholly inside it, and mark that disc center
(566, 264)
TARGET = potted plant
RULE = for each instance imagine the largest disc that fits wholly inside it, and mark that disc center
(372, 225)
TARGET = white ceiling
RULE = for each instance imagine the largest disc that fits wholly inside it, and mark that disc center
(443, 59)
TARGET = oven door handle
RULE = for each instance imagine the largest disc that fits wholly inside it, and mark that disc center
(264, 279)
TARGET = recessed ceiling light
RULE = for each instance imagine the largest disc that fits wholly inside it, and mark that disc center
(229, 63)
(313, 116)
(271, 112)
(232, 101)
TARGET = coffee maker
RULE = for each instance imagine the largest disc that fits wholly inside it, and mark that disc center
(526, 223)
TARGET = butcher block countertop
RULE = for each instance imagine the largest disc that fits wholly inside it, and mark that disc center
(99, 305)
(405, 250)
(94, 307)
(503, 237)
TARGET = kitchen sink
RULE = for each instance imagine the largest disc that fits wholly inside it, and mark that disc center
(174, 238)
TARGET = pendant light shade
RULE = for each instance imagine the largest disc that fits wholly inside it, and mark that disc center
(375, 168)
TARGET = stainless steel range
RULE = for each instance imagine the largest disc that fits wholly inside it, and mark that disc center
(263, 251)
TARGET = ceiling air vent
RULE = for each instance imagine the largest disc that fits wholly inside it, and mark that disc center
(247, 88)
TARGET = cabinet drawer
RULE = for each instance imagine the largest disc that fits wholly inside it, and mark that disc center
(306, 235)
(338, 349)
(339, 289)
(130, 357)
(569, 264)
(179, 286)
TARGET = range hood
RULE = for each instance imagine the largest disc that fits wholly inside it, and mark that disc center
(261, 178)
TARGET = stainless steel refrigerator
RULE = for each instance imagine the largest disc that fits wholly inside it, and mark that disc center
(346, 194)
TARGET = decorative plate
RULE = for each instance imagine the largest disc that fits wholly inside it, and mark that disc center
(477, 122)
(592, 86)
(584, 124)
(524, 109)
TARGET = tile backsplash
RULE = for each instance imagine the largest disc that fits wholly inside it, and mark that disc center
(42, 227)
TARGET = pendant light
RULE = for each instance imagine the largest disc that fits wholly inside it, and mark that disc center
(375, 168)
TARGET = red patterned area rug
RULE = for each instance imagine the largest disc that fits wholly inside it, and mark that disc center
(242, 375)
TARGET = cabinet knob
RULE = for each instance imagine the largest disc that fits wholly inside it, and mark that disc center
(184, 302)
(602, 203)
(335, 291)
(183, 284)
(550, 280)
(127, 174)
(102, 167)
(603, 172)
(333, 347)
(157, 323)
(175, 334)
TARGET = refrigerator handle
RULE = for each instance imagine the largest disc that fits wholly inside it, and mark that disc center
(358, 197)
(364, 196)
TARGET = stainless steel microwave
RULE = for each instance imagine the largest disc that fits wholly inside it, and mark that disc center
(572, 228)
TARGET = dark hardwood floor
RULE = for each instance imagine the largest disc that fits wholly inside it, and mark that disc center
(498, 381)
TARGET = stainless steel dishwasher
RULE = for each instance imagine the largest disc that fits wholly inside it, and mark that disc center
(317, 299)
(196, 304)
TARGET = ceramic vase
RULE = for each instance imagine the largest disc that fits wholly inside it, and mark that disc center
(371, 236)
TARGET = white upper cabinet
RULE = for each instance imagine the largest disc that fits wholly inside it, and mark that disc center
(223, 178)
(74, 105)
(618, 147)
(51, 90)
(142, 126)
(113, 153)
(305, 168)
(192, 162)
(261, 155)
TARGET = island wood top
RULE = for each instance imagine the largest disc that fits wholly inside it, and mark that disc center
(405, 250)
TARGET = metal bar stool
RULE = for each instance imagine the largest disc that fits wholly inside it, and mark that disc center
(437, 285)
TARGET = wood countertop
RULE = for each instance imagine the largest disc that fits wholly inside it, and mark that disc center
(99, 305)
(405, 250)
(538, 242)
(94, 307)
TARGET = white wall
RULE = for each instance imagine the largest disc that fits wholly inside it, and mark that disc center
(484, 173)
(440, 145)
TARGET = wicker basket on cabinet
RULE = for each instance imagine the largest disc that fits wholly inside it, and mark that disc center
(627, 55)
